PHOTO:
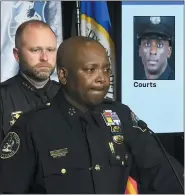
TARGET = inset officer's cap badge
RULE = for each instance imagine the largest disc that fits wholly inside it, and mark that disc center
(10, 145)
(155, 19)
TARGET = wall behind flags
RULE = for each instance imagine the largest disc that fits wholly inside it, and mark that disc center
(13, 13)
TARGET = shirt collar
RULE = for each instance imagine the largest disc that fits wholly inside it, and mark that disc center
(31, 87)
(165, 75)
(66, 109)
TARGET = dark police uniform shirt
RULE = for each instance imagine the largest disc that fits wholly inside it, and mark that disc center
(168, 74)
(58, 149)
(17, 96)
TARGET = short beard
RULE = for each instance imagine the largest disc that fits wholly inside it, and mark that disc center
(36, 75)
(41, 76)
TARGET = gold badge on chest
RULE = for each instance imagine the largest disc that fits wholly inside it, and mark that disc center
(118, 139)
(15, 116)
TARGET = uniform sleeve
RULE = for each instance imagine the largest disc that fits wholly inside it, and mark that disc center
(155, 174)
(17, 160)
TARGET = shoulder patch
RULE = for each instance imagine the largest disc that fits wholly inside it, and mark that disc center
(143, 130)
(10, 145)
(135, 119)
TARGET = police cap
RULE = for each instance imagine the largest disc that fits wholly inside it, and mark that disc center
(155, 27)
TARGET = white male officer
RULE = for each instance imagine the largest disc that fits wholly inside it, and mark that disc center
(35, 51)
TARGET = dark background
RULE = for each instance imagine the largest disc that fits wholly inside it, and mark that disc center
(138, 66)
(173, 142)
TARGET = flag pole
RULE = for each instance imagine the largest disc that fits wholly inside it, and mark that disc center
(78, 18)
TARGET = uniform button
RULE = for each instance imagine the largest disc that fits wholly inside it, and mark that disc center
(118, 157)
(122, 163)
(97, 167)
(63, 171)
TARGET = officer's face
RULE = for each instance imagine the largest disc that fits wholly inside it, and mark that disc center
(37, 52)
(154, 54)
(89, 78)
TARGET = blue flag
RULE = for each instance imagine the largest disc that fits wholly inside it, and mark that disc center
(95, 23)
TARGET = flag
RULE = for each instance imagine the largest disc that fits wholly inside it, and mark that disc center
(131, 187)
(95, 23)
(13, 13)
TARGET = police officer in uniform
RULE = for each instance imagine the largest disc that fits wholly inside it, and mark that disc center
(155, 37)
(35, 51)
(79, 142)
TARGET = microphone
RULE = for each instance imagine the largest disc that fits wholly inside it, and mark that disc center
(144, 126)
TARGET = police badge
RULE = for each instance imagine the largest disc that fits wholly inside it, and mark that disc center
(118, 139)
(10, 145)
(155, 19)
(15, 116)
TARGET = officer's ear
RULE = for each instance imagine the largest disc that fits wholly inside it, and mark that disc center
(169, 52)
(16, 54)
(62, 75)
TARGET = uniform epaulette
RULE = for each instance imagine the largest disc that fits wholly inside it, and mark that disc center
(1, 85)
(6, 83)
(9, 82)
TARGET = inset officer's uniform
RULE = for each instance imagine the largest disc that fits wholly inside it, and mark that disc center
(59, 149)
(159, 28)
(17, 96)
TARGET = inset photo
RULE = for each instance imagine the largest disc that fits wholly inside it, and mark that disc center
(154, 48)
